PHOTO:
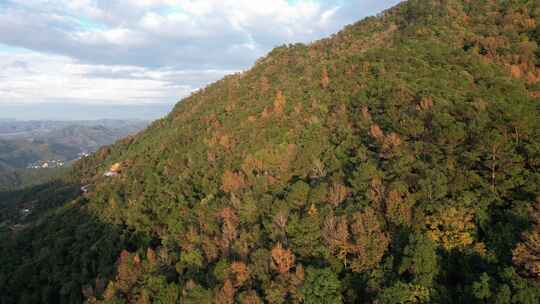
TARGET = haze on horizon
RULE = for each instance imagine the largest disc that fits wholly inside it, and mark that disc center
(77, 59)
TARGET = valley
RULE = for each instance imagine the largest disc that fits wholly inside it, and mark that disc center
(33, 151)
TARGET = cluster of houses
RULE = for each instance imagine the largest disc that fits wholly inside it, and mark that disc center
(82, 155)
(46, 164)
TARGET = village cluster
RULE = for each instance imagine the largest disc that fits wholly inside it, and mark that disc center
(46, 164)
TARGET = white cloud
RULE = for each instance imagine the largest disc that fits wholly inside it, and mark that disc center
(34, 77)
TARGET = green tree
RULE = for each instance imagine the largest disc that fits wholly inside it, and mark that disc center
(420, 260)
(321, 286)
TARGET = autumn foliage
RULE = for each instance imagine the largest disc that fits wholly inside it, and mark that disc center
(231, 181)
(527, 252)
(282, 259)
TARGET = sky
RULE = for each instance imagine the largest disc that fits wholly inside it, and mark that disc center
(145, 53)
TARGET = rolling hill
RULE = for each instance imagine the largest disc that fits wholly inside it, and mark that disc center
(397, 161)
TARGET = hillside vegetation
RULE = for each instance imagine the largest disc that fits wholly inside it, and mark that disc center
(394, 162)
(12, 179)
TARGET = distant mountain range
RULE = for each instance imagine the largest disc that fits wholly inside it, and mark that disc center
(26, 144)
(19, 129)
(70, 111)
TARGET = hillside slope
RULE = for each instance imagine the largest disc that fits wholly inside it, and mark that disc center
(395, 162)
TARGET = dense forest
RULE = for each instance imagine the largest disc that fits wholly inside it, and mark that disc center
(397, 161)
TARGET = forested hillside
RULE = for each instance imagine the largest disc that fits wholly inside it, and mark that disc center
(394, 162)
(20, 153)
(15, 155)
(7, 179)
(11, 179)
